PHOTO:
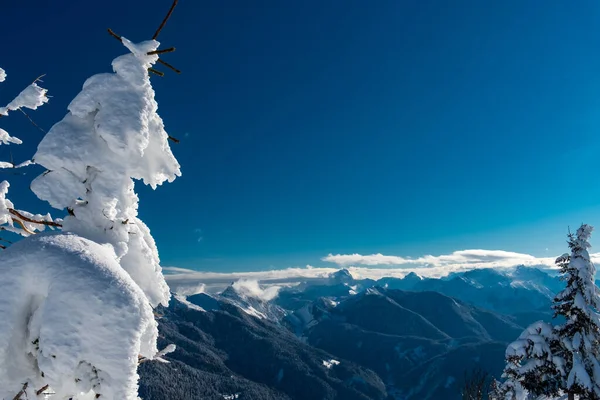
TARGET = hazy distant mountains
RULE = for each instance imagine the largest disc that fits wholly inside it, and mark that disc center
(521, 289)
(343, 338)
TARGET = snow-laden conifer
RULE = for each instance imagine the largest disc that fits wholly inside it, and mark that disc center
(531, 364)
(76, 306)
(561, 360)
(111, 136)
(578, 304)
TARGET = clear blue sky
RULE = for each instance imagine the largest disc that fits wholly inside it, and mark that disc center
(310, 127)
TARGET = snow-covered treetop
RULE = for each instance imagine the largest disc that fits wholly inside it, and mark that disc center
(579, 305)
(111, 136)
(579, 272)
(112, 127)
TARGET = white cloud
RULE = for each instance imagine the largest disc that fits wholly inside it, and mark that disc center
(189, 288)
(180, 279)
(458, 259)
(184, 281)
(373, 259)
(251, 288)
(373, 266)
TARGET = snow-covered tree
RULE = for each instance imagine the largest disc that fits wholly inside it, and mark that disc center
(551, 360)
(579, 304)
(531, 364)
(77, 306)
(111, 136)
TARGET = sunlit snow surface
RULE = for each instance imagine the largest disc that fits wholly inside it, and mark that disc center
(330, 363)
(72, 313)
(31, 97)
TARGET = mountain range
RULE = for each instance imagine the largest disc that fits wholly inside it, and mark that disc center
(345, 338)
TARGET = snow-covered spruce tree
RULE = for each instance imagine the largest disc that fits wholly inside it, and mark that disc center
(551, 360)
(76, 306)
(578, 304)
(531, 365)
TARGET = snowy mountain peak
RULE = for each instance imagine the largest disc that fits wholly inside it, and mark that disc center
(230, 293)
(251, 299)
(412, 276)
(525, 272)
(341, 276)
(203, 301)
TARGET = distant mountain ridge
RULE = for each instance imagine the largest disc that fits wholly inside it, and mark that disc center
(347, 338)
(521, 289)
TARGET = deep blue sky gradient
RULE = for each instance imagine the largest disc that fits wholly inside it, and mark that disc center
(310, 127)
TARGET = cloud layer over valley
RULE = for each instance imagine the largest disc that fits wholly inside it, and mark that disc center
(372, 266)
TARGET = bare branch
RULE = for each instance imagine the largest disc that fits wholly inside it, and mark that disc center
(162, 25)
(31, 120)
(22, 225)
(166, 64)
(156, 72)
(110, 31)
(33, 221)
(22, 392)
(41, 390)
(38, 79)
(169, 50)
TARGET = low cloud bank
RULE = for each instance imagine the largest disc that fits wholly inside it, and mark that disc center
(373, 266)
(457, 260)
(184, 280)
